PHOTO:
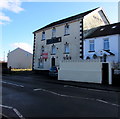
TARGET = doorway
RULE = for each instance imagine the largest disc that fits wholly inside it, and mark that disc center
(52, 62)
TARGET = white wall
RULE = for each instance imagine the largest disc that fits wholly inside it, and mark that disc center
(113, 44)
(19, 58)
(82, 72)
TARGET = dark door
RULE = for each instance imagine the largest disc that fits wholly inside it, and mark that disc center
(105, 73)
(52, 62)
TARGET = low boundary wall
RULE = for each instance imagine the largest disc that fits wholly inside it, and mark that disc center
(83, 72)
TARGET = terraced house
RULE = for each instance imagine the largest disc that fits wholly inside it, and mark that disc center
(63, 39)
(103, 43)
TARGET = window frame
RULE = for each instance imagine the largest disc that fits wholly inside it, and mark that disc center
(106, 44)
(40, 63)
(53, 32)
(43, 35)
(53, 50)
(66, 29)
(66, 48)
(91, 46)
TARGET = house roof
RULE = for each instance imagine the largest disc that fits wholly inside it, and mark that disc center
(20, 49)
(78, 16)
(110, 29)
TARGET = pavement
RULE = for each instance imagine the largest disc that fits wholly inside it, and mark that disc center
(89, 85)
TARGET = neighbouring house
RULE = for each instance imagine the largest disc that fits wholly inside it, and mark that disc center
(103, 43)
(63, 39)
(19, 58)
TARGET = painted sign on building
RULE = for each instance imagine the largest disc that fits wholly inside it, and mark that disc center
(44, 55)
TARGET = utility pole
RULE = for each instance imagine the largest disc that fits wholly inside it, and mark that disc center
(119, 11)
(4, 56)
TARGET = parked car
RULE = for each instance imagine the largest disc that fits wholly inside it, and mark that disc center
(53, 71)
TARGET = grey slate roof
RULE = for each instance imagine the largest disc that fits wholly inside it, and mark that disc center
(81, 15)
(110, 29)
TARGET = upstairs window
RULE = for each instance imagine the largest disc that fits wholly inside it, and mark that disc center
(67, 49)
(66, 29)
(91, 46)
(106, 44)
(53, 49)
(43, 35)
(53, 32)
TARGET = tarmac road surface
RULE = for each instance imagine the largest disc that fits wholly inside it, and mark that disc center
(37, 96)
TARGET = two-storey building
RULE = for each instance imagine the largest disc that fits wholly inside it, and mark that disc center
(63, 39)
(103, 43)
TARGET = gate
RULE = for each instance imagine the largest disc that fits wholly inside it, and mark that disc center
(105, 73)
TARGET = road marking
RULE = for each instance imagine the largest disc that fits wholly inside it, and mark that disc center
(69, 96)
(18, 113)
(6, 106)
(58, 94)
(13, 84)
(102, 101)
(40, 89)
(15, 110)
(107, 102)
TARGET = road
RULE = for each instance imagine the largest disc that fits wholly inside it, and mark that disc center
(35, 96)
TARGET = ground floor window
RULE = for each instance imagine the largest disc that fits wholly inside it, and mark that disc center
(67, 49)
(40, 63)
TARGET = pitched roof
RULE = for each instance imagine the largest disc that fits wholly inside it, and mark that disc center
(110, 29)
(81, 15)
(21, 50)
